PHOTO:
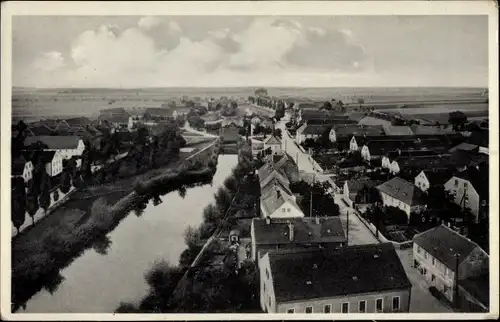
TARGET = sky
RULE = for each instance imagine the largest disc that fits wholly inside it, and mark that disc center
(211, 51)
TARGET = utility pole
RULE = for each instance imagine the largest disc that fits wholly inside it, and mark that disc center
(297, 159)
(347, 227)
(455, 297)
(311, 201)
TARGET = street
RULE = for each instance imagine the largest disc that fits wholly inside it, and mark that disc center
(421, 299)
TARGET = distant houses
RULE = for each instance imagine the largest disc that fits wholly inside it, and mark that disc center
(353, 279)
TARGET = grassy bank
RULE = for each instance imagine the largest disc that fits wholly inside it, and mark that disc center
(52, 244)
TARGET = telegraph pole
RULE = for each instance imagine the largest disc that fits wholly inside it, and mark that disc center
(347, 227)
(455, 297)
(311, 201)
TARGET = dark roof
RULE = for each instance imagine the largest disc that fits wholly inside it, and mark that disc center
(273, 184)
(478, 287)
(430, 130)
(397, 130)
(113, 110)
(313, 274)
(329, 230)
(18, 165)
(383, 145)
(438, 162)
(55, 142)
(41, 130)
(114, 118)
(443, 243)
(35, 156)
(78, 121)
(272, 140)
(468, 158)
(358, 130)
(480, 138)
(159, 111)
(403, 190)
(466, 147)
(369, 120)
(316, 129)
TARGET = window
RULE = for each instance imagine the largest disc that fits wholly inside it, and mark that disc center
(345, 307)
(433, 261)
(433, 278)
(288, 209)
(309, 309)
(395, 303)
(267, 273)
(379, 305)
(418, 249)
(264, 287)
(446, 272)
(362, 306)
(327, 308)
(456, 183)
(290, 311)
(270, 301)
(426, 255)
(283, 209)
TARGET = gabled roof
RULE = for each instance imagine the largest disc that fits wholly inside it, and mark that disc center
(159, 111)
(403, 190)
(275, 200)
(397, 130)
(438, 177)
(315, 129)
(55, 142)
(315, 274)
(306, 230)
(403, 154)
(272, 140)
(443, 243)
(466, 147)
(274, 184)
(369, 120)
(273, 174)
(40, 130)
(357, 185)
(82, 121)
(468, 158)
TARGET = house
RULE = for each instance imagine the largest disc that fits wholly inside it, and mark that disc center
(342, 131)
(443, 257)
(114, 117)
(22, 168)
(470, 189)
(353, 279)
(270, 234)
(370, 120)
(286, 166)
(423, 130)
(481, 139)
(51, 159)
(409, 160)
(273, 143)
(78, 121)
(311, 131)
(397, 130)
(62, 126)
(39, 130)
(352, 189)
(158, 113)
(432, 177)
(275, 202)
(464, 146)
(464, 159)
(67, 146)
(402, 194)
(269, 172)
(229, 132)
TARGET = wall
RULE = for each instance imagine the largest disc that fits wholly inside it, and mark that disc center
(353, 300)
(267, 299)
(365, 153)
(422, 182)
(456, 187)
(476, 263)
(444, 276)
(386, 163)
(390, 201)
(287, 210)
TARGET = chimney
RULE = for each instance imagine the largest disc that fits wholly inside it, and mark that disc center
(268, 220)
(290, 231)
(317, 220)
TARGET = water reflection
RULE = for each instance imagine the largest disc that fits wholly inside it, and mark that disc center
(112, 270)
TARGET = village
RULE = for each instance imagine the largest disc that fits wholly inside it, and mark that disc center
(336, 208)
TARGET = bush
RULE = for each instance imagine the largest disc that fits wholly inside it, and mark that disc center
(126, 308)
(100, 216)
(139, 187)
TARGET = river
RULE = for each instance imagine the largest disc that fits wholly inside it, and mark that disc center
(97, 281)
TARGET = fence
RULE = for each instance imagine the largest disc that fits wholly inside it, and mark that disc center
(382, 238)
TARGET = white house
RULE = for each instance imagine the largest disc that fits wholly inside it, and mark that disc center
(22, 168)
(427, 178)
(278, 204)
(470, 189)
(67, 146)
(386, 163)
(273, 143)
(402, 194)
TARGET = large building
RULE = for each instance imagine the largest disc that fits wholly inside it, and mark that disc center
(67, 146)
(439, 253)
(402, 194)
(353, 279)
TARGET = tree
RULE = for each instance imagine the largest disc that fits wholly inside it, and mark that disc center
(457, 119)
(191, 237)
(65, 182)
(278, 133)
(261, 92)
(438, 197)
(326, 106)
(18, 202)
(141, 136)
(395, 216)
(44, 198)
(196, 122)
(32, 204)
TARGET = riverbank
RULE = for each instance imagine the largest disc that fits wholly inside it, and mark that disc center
(39, 255)
(209, 277)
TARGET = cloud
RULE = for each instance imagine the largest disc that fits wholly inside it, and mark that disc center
(49, 61)
(149, 22)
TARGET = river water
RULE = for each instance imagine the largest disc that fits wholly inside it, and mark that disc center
(97, 281)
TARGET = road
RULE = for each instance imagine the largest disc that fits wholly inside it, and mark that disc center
(421, 299)
(188, 128)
